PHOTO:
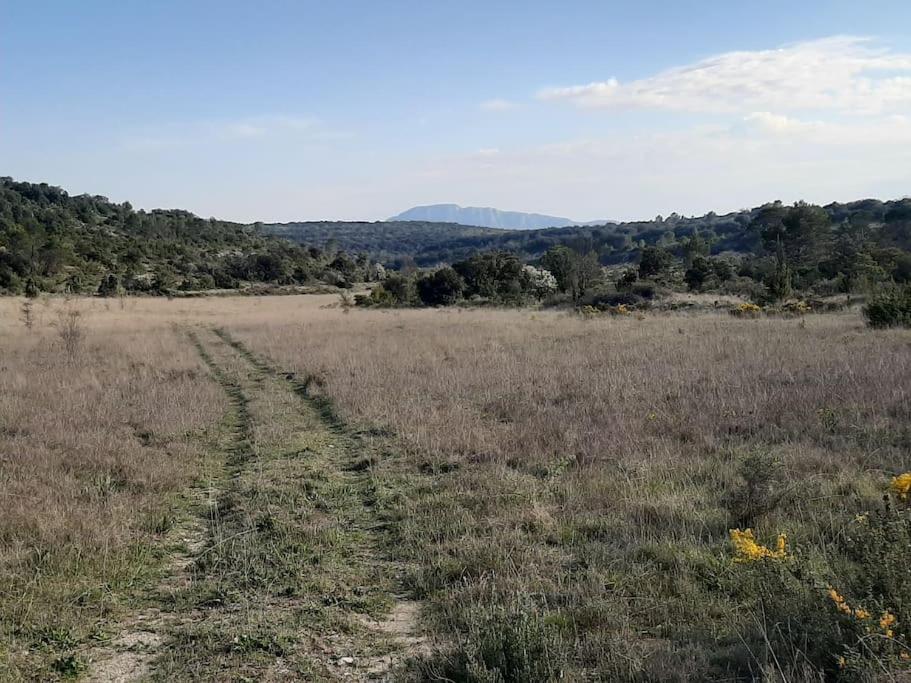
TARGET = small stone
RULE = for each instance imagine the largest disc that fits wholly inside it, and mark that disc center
(347, 661)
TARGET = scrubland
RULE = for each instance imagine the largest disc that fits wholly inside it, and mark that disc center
(97, 443)
(557, 494)
(579, 478)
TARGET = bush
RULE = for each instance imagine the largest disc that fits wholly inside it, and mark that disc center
(844, 622)
(629, 299)
(889, 308)
(644, 289)
(442, 287)
(760, 491)
(504, 646)
(401, 289)
(381, 297)
(627, 279)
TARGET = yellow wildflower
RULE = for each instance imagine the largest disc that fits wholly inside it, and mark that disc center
(861, 613)
(842, 662)
(746, 548)
(840, 603)
(886, 622)
(901, 486)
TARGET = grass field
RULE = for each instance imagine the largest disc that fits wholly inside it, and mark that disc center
(274, 488)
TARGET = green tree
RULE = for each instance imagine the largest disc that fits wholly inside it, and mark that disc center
(852, 261)
(442, 287)
(695, 245)
(654, 262)
(800, 231)
(699, 273)
(779, 282)
(559, 261)
(110, 285)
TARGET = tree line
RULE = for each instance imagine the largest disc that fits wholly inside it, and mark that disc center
(51, 241)
(879, 229)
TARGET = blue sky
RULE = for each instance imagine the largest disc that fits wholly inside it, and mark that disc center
(358, 110)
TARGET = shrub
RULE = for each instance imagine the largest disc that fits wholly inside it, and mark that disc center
(760, 490)
(110, 285)
(442, 287)
(627, 279)
(644, 289)
(504, 646)
(889, 308)
(611, 300)
(654, 261)
(400, 289)
(379, 297)
(69, 329)
(845, 625)
(31, 289)
(698, 274)
(746, 310)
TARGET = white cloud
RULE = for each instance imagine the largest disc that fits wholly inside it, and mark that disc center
(264, 127)
(497, 104)
(759, 157)
(842, 73)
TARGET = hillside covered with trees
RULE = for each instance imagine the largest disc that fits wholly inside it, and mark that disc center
(51, 241)
(881, 224)
(393, 243)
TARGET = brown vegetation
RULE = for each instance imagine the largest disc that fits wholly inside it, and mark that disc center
(584, 474)
(560, 489)
(97, 424)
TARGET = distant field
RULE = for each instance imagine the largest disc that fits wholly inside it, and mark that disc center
(279, 488)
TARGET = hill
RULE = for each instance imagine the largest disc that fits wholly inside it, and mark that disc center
(432, 243)
(486, 217)
(51, 241)
(390, 242)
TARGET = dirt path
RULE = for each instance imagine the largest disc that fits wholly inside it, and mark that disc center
(284, 571)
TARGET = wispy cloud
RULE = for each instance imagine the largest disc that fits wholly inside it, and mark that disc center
(842, 73)
(263, 127)
(497, 104)
(754, 158)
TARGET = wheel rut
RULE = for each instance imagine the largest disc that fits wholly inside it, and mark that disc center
(130, 653)
(283, 568)
(397, 626)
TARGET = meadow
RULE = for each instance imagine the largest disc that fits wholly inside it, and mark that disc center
(450, 494)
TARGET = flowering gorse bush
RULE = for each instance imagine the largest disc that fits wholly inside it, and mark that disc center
(746, 310)
(796, 307)
(901, 487)
(855, 632)
(746, 549)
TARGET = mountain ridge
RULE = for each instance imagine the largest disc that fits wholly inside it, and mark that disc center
(488, 217)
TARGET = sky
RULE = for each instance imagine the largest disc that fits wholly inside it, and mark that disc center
(297, 110)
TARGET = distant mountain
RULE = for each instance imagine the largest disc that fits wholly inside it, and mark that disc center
(405, 242)
(487, 217)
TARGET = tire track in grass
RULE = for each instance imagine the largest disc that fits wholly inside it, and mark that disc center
(285, 572)
(129, 655)
(395, 629)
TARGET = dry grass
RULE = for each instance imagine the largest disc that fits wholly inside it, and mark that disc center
(568, 484)
(587, 472)
(99, 426)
